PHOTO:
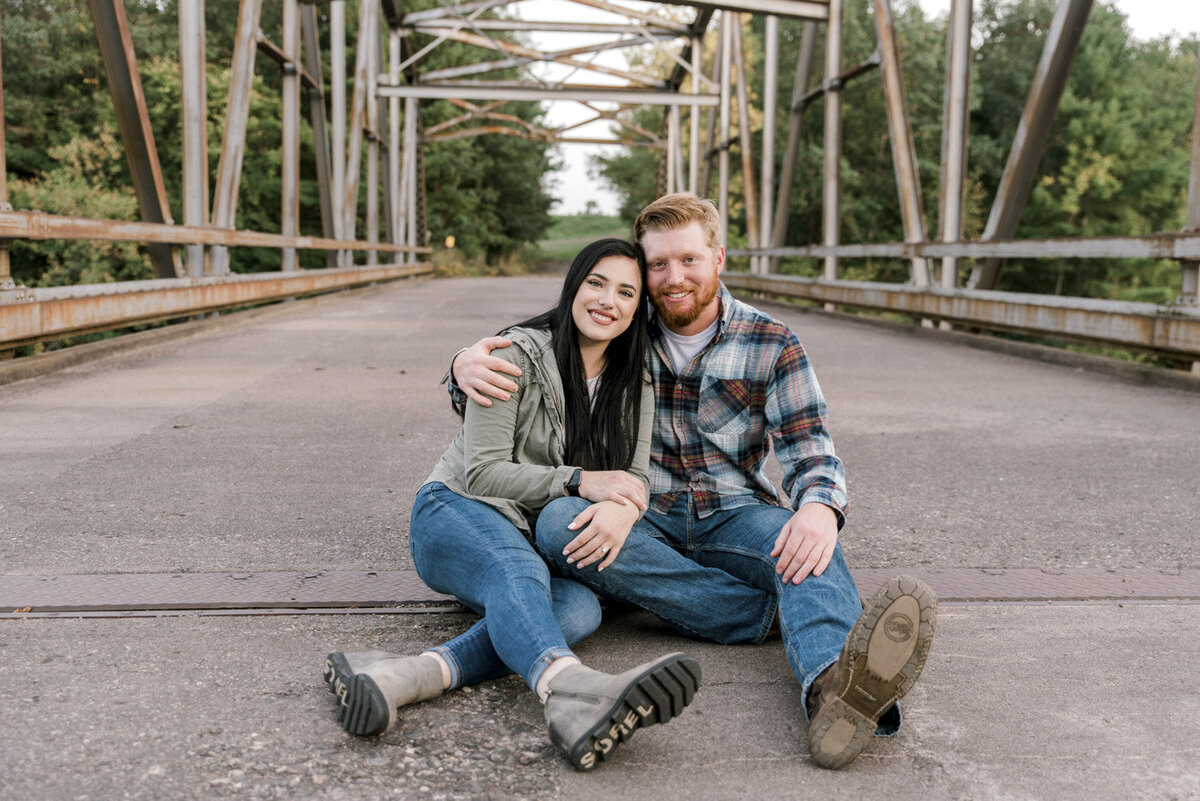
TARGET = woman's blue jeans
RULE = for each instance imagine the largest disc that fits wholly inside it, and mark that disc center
(467, 549)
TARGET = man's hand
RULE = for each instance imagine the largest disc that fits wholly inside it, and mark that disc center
(613, 485)
(806, 542)
(605, 527)
(481, 375)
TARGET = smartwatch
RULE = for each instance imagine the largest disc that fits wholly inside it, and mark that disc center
(571, 485)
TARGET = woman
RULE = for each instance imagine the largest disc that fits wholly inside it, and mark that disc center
(580, 424)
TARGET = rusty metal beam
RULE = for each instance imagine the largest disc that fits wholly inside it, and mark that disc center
(237, 117)
(125, 86)
(6, 281)
(38, 225)
(745, 135)
(1140, 326)
(1062, 41)
(511, 91)
(955, 122)
(1156, 246)
(35, 315)
(787, 176)
(904, 151)
(316, 117)
(194, 96)
(523, 54)
(631, 13)
(1188, 291)
(280, 57)
(289, 189)
(792, 9)
(832, 181)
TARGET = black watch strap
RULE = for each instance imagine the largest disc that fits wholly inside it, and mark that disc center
(572, 485)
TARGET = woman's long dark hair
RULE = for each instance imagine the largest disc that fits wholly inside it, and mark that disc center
(603, 436)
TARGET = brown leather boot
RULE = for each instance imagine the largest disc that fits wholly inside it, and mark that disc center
(879, 663)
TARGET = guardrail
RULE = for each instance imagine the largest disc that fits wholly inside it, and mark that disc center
(30, 315)
(1171, 330)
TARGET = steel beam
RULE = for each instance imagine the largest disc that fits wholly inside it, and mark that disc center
(723, 157)
(52, 313)
(194, 97)
(337, 114)
(766, 180)
(316, 116)
(745, 136)
(368, 15)
(393, 160)
(237, 116)
(289, 224)
(434, 27)
(1191, 268)
(832, 184)
(904, 152)
(372, 145)
(818, 10)
(1140, 326)
(125, 86)
(6, 281)
(955, 120)
(787, 175)
(694, 123)
(38, 225)
(1020, 172)
(588, 94)
(1155, 246)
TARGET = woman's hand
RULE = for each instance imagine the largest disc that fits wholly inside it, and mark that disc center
(605, 526)
(613, 485)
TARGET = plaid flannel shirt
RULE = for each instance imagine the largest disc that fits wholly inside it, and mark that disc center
(713, 423)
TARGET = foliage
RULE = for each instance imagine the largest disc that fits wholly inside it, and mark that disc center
(568, 234)
(79, 185)
(1116, 162)
(61, 156)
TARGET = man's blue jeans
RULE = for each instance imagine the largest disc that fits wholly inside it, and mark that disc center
(715, 578)
(467, 549)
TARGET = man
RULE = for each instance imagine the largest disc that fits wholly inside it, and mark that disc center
(716, 552)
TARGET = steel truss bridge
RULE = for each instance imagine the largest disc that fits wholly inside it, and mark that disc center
(376, 111)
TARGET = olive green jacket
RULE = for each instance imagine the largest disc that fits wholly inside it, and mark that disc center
(510, 455)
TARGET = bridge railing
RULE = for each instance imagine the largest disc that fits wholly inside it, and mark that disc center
(30, 315)
(1171, 330)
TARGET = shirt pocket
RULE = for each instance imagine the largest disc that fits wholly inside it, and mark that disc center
(724, 405)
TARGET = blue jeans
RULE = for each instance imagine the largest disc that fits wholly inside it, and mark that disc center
(467, 549)
(715, 578)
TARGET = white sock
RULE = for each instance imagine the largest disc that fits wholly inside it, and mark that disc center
(435, 656)
(556, 667)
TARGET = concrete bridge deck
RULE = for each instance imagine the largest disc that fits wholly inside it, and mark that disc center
(291, 440)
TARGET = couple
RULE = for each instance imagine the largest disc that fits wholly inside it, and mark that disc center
(709, 549)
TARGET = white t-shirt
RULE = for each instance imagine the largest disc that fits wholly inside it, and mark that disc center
(593, 384)
(682, 349)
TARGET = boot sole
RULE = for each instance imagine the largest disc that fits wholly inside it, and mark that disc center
(886, 651)
(362, 709)
(657, 694)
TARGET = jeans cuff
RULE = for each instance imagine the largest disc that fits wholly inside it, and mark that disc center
(542, 662)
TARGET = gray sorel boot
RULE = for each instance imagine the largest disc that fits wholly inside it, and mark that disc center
(880, 661)
(590, 712)
(371, 685)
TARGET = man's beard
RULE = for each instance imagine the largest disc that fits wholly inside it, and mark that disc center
(702, 295)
